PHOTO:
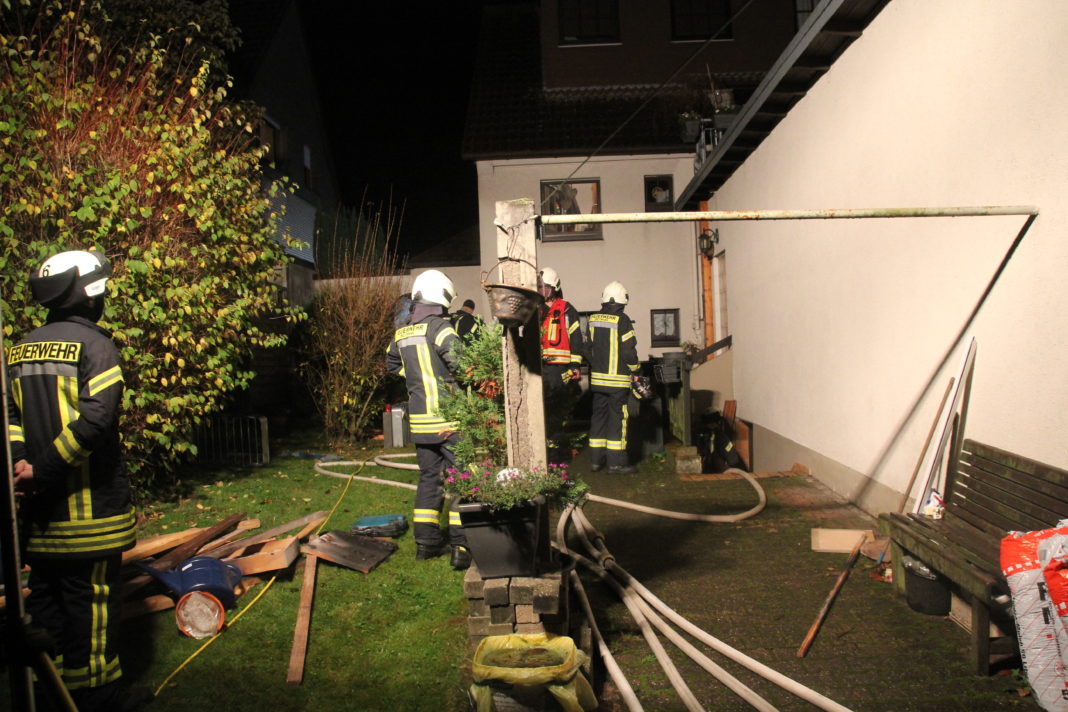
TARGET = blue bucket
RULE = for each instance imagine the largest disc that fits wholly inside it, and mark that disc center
(202, 573)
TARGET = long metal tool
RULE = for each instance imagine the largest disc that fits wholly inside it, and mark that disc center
(19, 671)
(807, 643)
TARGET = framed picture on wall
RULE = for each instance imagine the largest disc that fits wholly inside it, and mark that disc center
(665, 327)
(572, 197)
(659, 194)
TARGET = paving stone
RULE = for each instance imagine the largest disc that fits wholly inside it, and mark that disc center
(522, 591)
(478, 625)
(496, 592)
(524, 613)
(500, 629)
(529, 628)
(473, 584)
(502, 614)
(477, 607)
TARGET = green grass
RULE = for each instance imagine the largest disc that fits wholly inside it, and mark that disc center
(392, 639)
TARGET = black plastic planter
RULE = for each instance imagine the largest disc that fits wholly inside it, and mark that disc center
(509, 542)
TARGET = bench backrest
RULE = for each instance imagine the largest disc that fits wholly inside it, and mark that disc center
(998, 491)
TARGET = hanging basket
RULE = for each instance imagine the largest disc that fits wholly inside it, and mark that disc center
(512, 305)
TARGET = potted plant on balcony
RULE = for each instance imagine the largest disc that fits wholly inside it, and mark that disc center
(504, 509)
(689, 126)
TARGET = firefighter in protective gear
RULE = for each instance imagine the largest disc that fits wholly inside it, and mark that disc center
(614, 364)
(563, 350)
(75, 511)
(422, 352)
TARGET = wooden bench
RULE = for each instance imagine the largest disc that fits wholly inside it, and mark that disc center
(989, 492)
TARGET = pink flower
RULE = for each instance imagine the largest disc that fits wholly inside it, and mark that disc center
(465, 475)
(451, 470)
(474, 489)
(450, 480)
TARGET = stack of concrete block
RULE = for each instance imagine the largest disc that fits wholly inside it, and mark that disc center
(516, 604)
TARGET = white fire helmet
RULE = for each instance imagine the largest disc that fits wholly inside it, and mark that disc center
(70, 278)
(433, 287)
(614, 292)
(550, 278)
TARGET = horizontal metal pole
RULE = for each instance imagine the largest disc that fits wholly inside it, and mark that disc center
(830, 214)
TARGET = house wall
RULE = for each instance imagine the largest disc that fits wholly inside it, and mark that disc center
(646, 53)
(656, 262)
(838, 325)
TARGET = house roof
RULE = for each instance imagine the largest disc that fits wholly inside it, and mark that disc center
(511, 115)
(258, 22)
(831, 27)
(457, 250)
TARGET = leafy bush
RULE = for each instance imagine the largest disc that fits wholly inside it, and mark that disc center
(351, 321)
(477, 405)
(98, 151)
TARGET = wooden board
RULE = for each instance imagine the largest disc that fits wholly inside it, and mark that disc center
(157, 544)
(353, 551)
(226, 550)
(300, 631)
(268, 556)
(838, 541)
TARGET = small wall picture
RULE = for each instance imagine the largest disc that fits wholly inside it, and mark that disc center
(659, 194)
(665, 327)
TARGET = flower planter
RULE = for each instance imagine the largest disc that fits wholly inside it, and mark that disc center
(508, 542)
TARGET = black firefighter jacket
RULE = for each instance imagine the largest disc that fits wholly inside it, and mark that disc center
(65, 390)
(423, 354)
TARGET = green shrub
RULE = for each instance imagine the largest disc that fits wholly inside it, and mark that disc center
(98, 151)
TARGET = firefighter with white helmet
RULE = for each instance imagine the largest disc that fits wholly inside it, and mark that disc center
(422, 352)
(614, 365)
(563, 350)
(74, 495)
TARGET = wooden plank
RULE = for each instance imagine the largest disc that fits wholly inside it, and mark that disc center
(151, 546)
(182, 552)
(268, 556)
(838, 541)
(1020, 484)
(299, 650)
(226, 549)
(243, 526)
(1040, 470)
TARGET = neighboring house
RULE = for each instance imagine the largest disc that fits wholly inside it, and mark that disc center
(556, 82)
(273, 68)
(458, 257)
(838, 326)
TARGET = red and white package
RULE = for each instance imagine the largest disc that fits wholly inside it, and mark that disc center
(1053, 554)
(1036, 626)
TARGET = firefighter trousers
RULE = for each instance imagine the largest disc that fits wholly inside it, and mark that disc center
(77, 601)
(430, 495)
(560, 400)
(608, 427)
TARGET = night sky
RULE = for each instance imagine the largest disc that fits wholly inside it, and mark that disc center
(394, 83)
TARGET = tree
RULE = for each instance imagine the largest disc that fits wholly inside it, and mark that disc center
(102, 148)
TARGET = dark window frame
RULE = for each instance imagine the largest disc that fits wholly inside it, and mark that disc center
(697, 20)
(651, 183)
(583, 22)
(658, 341)
(589, 203)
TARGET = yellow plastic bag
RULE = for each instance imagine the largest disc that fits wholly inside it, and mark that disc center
(499, 663)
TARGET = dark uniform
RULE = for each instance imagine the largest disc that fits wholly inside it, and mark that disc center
(422, 353)
(613, 358)
(563, 349)
(66, 386)
(465, 324)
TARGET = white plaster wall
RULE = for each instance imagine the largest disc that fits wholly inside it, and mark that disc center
(656, 262)
(838, 325)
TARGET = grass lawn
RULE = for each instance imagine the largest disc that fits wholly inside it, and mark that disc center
(392, 639)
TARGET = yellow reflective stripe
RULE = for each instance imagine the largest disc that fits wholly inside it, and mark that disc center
(440, 338)
(93, 526)
(454, 519)
(16, 392)
(616, 445)
(598, 442)
(69, 448)
(572, 327)
(628, 335)
(98, 617)
(430, 381)
(613, 351)
(623, 434)
(426, 516)
(80, 545)
(79, 678)
(555, 352)
(576, 358)
(15, 434)
(105, 380)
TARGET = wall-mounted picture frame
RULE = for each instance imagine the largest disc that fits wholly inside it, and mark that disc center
(659, 193)
(571, 197)
(664, 327)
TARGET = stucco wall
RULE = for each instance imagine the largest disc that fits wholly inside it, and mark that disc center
(838, 325)
(656, 262)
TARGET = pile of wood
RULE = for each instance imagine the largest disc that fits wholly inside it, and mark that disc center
(233, 539)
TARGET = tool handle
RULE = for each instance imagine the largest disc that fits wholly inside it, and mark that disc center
(807, 643)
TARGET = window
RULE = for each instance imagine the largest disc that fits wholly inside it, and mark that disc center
(701, 20)
(659, 194)
(665, 329)
(589, 21)
(270, 135)
(308, 168)
(574, 197)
